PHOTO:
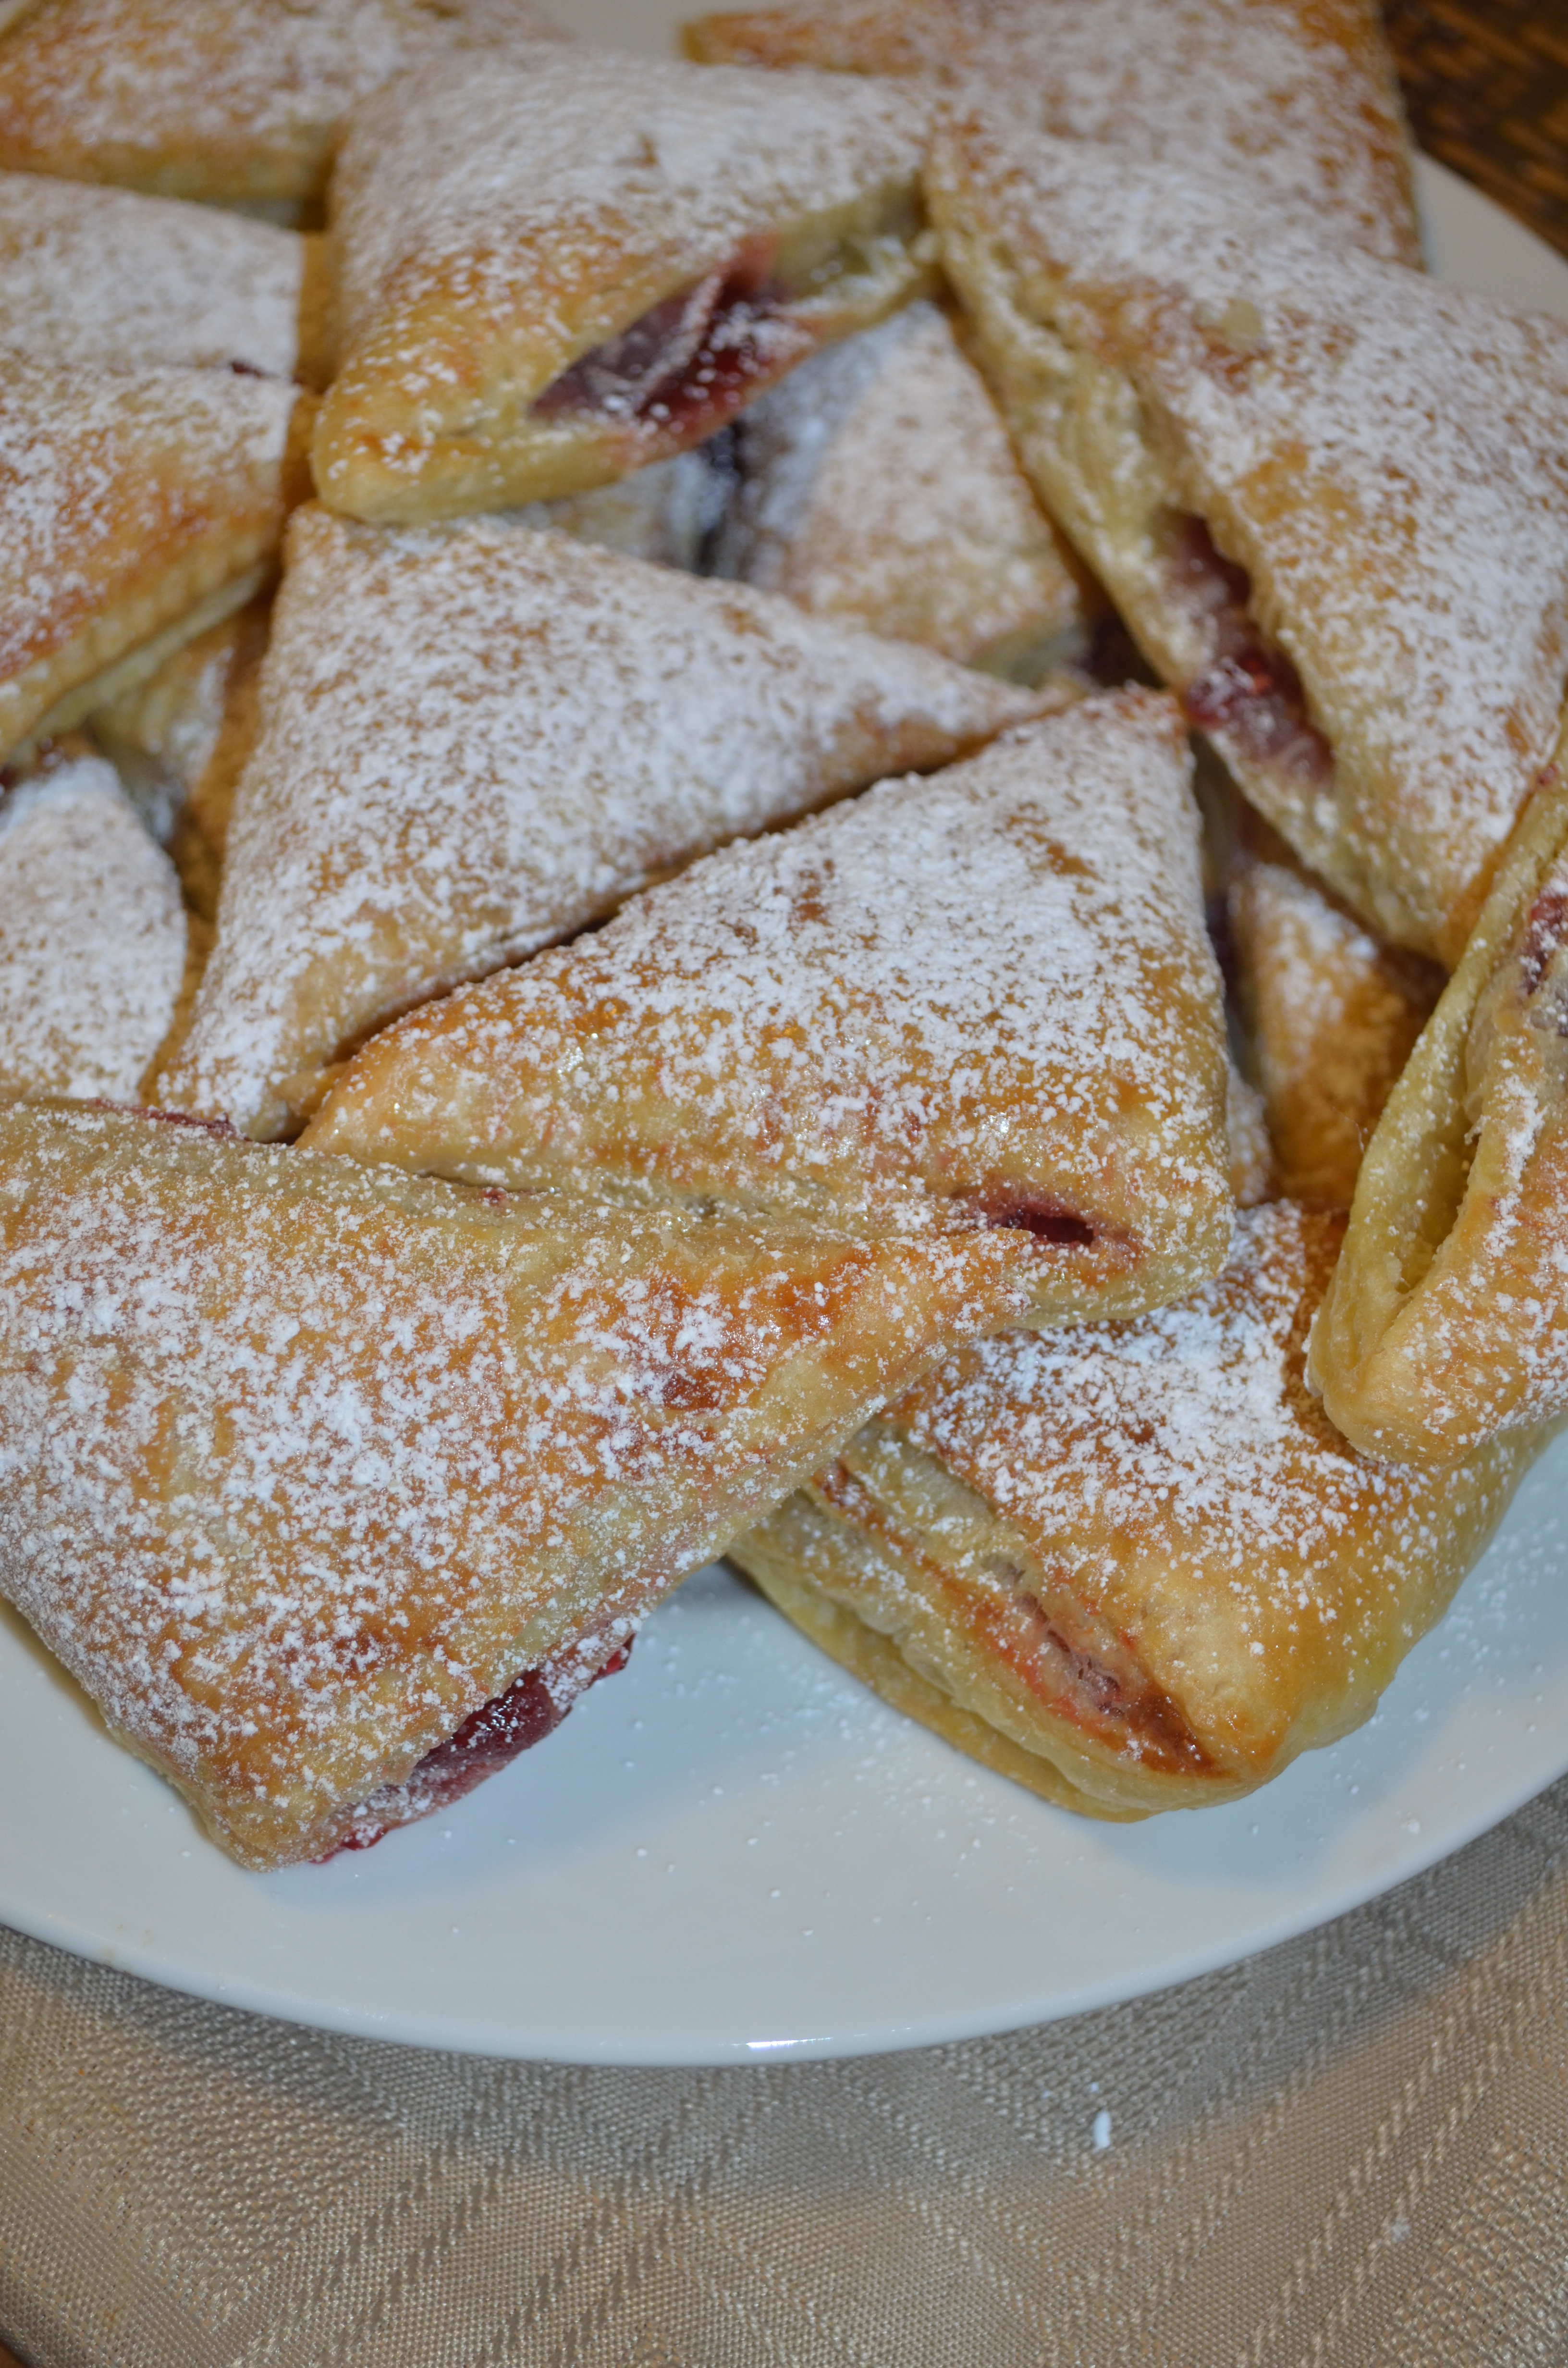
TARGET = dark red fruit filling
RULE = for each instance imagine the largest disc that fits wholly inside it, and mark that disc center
(1037, 1214)
(1544, 929)
(487, 1742)
(691, 361)
(1248, 692)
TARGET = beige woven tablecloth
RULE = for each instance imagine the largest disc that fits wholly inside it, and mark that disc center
(1352, 2149)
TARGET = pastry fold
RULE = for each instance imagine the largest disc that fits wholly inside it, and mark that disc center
(557, 269)
(476, 740)
(1225, 415)
(136, 508)
(303, 1465)
(181, 739)
(1330, 1015)
(1133, 1565)
(1446, 1322)
(877, 483)
(93, 937)
(236, 102)
(107, 279)
(1300, 96)
(981, 1000)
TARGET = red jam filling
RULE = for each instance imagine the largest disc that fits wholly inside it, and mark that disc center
(1248, 692)
(1544, 929)
(691, 361)
(1037, 1213)
(487, 1742)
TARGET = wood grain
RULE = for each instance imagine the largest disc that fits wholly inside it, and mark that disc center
(1486, 84)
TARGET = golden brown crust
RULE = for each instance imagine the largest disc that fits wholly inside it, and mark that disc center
(981, 999)
(477, 740)
(557, 269)
(305, 1462)
(1331, 1016)
(1300, 95)
(1224, 427)
(135, 509)
(1446, 1322)
(1140, 1551)
(230, 101)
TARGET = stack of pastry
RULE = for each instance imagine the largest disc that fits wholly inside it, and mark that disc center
(730, 790)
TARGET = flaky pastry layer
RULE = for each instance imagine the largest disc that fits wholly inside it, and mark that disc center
(1223, 411)
(985, 999)
(1446, 1322)
(1137, 1555)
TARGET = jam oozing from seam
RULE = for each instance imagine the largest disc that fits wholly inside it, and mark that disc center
(1075, 1685)
(1038, 1213)
(1545, 926)
(688, 363)
(1247, 693)
(486, 1742)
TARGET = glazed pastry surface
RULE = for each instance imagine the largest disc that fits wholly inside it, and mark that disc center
(981, 1000)
(1222, 413)
(232, 101)
(557, 269)
(135, 509)
(305, 1463)
(112, 280)
(476, 740)
(1298, 94)
(93, 940)
(1135, 1558)
(1448, 1320)
(877, 483)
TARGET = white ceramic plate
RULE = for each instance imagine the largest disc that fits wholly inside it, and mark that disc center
(732, 1852)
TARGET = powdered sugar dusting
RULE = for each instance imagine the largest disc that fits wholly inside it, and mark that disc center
(575, 158)
(92, 937)
(478, 740)
(877, 483)
(1383, 456)
(216, 98)
(107, 484)
(300, 1463)
(1186, 1443)
(1302, 100)
(113, 281)
(988, 994)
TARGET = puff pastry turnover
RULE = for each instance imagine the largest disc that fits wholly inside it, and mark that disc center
(1447, 1319)
(236, 101)
(1132, 1565)
(112, 280)
(1299, 95)
(981, 1000)
(556, 269)
(876, 482)
(305, 1463)
(136, 509)
(93, 939)
(1224, 415)
(478, 739)
(1330, 1014)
